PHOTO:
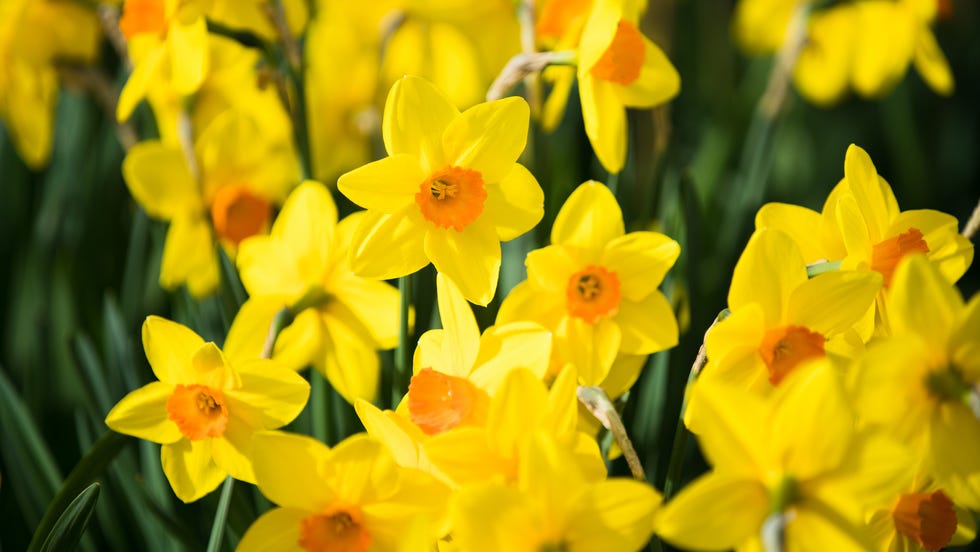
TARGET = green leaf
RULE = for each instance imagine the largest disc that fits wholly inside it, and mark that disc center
(70, 527)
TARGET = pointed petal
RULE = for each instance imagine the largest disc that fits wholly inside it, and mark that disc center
(305, 228)
(144, 72)
(729, 423)
(189, 468)
(492, 517)
(402, 438)
(470, 258)
(525, 303)
(591, 348)
(833, 302)
(948, 249)
(515, 410)
(465, 456)
(232, 451)
(143, 413)
(715, 512)
(187, 44)
(605, 121)
(360, 470)
(550, 268)
(158, 178)
(589, 219)
(768, 271)
(507, 346)
(250, 328)
(389, 246)
(619, 511)
(461, 335)
(658, 81)
(189, 257)
(169, 348)
(796, 222)
(646, 326)
(273, 530)
(515, 204)
(375, 304)
(386, 185)
(267, 267)
(931, 63)
(289, 469)
(415, 117)
(351, 362)
(488, 137)
(640, 261)
(874, 197)
(922, 302)
(270, 395)
(964, 347)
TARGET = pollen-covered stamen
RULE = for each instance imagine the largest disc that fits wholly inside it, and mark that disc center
(198, 411)
(438, 402)
(785, 347)
(622, 61)
(452, 197)
(143, 16)
(336, 530)
(886, 254)
(926, 518)
(592, 294)
(237, 213)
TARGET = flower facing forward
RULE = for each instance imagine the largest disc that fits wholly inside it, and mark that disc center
(449, 191)
(205, 408)
(595, 287)
(618, 67)
(340, 320)
(350, 498)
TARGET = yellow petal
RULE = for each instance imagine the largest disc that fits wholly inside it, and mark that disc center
(488, 137)
(386, 185)
(389, 246)
(874, 197)
(590, 347)
(515, 411)
(614, 515)
(158, 177)
(550, 268)
(305, 230)
(143, 413)
(302, 342)
(189, 257)
(289, 469)
(145, 70)
(251, 327)
(833, 302)
(494, 517)
(360, 470)
(465, 456)
(605, 121)
(554, 106)
(855, 233)
(507, 346)
(823, 529)
(883, 48)
(169, 348)
(646, 326)
(931, 63)
(964, 347)
(516, 204)
(796, 222)
(658, 81)
(729, 423)
(31, 96)
(351, 362)
(768, 271)
(187, 43)
(598, 33)
(471, 258)
(375, 304)
(525, 303)
(717, 511)
(948, 249)
(461, 336)
(922, 302)
(270, 395)
(273, 529)
(733, 348)
(955, 452)
(415, 117)
(823, 66)
(402, 438)
(232, 451)
(623, 374)
(640, 261)
(589, 219)
(189, 468)
(267, 268)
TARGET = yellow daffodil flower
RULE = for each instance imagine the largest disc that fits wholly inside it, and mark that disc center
(618, 67)
(205, 408)
(595, 287)
(227, 199)
(349, 498)
(456, 371)
(168, 43)
(861, 226)
(341, 320)
(790, 467)
(780, 318)
(922, 382)
(449, 192)
(553, 506)
(921, 518)
(28, 78)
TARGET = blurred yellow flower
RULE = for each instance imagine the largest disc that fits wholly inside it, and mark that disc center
(790, 467)
(28, 78)
(351, 498)
(341, 320)
(205, 408)
(553, 506)
(449, 192)
(922, 518)
(618, 67)
(595, 287)
(228, 197)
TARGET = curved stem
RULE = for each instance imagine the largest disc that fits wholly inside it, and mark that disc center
(598, 403)
(403, 353)
(221, 515)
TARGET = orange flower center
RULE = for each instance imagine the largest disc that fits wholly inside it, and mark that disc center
(558, 16)
(143, 16)
(336, 530)
(238, 213)
(452, 197)
(198, 411)
(623, 59)
(438, 402)
(784, 348)
(592, 294)
(885, 255)
(926, 518)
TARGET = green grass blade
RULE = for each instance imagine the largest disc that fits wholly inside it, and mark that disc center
(71, 525)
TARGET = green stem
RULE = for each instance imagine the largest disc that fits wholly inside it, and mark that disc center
(85, 472)
(283, 318)
(403, 353)
(221, 515)
(817, 269)
(320, 395)
(598, 403)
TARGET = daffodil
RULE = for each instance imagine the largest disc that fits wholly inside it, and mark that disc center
(553, 506)
(205, 407)
(790, 470)
(921, 518)
(595, 287)
(448, 193)
(168, 43)
(922, 382)
(456, 371)
(862, 227)
(618, 67)
(350, 498)
(228, 197)
(341, 320)
(28, 77)
(780, 318)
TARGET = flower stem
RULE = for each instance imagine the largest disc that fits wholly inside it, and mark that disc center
(320, 395)
(283, 318)
(403, 353)
(973, 224)
(598, 403)
(218, 527)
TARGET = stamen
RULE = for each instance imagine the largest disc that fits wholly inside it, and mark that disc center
(592, 294)
(886, 254)
(198, 411)
(452, 197)
(336, 530)
(784, 348)
(441, 190)
(438, 402)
